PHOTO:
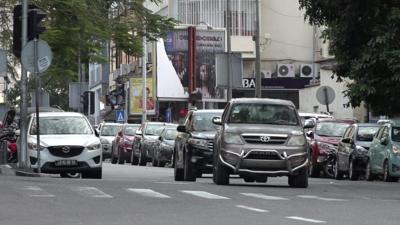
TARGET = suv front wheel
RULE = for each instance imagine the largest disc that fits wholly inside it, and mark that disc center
(220, 172)
(188, 172)
(178, 172)
(300, 180)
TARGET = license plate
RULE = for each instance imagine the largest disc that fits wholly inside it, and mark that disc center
(66, 163)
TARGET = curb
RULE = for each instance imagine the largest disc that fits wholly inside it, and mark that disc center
(12, 170)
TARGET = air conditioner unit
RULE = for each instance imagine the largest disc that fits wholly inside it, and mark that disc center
(306, 70)
(266, 73)
(286, 70)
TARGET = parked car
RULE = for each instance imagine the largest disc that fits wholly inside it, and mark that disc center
(314, 116)
(121, 147)
(259, 138)
(352, 154)
(145, 138)
(324, 139)
(164, 147)
(68, 144)
(384, 154)
(194, 145)
(108, 131)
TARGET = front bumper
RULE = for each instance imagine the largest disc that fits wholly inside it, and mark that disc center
(202, 159)
(272, 162)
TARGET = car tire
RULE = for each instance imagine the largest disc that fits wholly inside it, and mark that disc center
(178, 172)
(93, 174)
(134, 159)
(249, 179)
(386, 173)
(121, 159)
(154, 162)
(300, 180)
(337, 174)
(353, 174)
(188, 170)
(128, 159)
(369, 176)
(142, 158)
(314, 170)
(220, 172)
(113, 159)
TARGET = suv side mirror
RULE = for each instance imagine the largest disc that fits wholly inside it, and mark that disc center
(309, 124)
(217, 120)
(181, 128)
(160, 138)
(384, 141)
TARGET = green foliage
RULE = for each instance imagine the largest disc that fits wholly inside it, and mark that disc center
(83, 28)
(363, 36)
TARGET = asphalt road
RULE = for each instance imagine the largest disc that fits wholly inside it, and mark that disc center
(149, 196)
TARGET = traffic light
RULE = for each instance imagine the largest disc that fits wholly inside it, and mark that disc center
(87, 100)
(35, 16)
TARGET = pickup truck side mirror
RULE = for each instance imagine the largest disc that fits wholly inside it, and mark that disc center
(181, 128)
(217, 120)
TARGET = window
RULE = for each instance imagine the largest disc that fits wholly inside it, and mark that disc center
(109, 130)
(331, 129)
(366, 133)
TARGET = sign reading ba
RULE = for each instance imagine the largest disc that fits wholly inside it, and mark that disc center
(119, 116)
(249, 82)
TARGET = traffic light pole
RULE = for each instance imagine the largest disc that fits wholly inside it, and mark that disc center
(24, 103)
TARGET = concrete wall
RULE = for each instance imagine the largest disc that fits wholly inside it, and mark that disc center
(309, 101)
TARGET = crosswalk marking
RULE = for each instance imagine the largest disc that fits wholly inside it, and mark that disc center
(251, 208)
(204, 194)
(148, 193)
(321, 198)
(262, 196)
(35, 191)
(305, 219)
(92, 192)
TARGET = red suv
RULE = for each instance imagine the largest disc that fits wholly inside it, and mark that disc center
(324, 139)
(121, 146)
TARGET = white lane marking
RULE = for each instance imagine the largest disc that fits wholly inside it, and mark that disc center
(35, 191)
(148, 193)
(321, 198)
(251, 208)
(92, 192)
(204, 194)
(262, 196)
(167, 182)
(305, 219)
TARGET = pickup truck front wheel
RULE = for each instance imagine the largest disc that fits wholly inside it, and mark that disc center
(300, 180)
(220, 172)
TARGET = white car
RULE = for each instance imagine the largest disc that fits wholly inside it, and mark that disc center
(68, 144)
(107, 134)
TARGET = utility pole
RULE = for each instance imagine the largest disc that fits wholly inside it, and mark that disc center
(24, 85)
(144, 80)
(228, 34)
(258, 57)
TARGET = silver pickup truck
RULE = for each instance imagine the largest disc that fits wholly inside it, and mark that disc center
(261, 138)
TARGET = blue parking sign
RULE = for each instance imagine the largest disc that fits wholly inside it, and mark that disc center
(119, 116)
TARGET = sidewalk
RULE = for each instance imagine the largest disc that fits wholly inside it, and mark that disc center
(11, 169)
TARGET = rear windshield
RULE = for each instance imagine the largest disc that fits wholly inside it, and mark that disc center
(254, 113)
(331, 129)
(366, 133)
(61, 125)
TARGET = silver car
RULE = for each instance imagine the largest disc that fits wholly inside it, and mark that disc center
(259, 138)
(68, 144)
(107, 135)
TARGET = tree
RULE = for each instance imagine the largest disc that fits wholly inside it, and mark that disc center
(363, 37)
(80, 29)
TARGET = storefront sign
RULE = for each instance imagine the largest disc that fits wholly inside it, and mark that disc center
(136, 96)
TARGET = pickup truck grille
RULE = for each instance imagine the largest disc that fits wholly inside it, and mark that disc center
(265, 139)
(260, 155)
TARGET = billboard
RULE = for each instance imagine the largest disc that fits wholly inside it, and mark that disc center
(136, 96)
(208, 44)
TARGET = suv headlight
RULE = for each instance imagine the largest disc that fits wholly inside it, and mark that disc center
(297, 140)
(396, 150)
(32, 146)
(233, 138)
(93, 147)
(198, 142)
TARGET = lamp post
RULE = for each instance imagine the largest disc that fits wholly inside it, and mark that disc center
(258, 57)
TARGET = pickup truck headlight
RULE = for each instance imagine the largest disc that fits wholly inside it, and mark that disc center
(198, 142)
(94, 147)
(232, 138)
(297, 140)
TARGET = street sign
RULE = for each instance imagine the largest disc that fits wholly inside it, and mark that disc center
(119, 116)
(3, 63)
(249, 82)
(44, 56)
(325, 96)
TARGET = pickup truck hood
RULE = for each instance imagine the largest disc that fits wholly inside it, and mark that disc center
(262, 129)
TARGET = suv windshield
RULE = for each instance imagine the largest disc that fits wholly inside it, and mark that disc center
(130, 130)
(109, 130)
(366, 133)
(154, 129)
(203, 121)
(61, 125)
(255, 113)
(396, 134)
(331, 129)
